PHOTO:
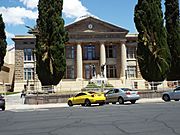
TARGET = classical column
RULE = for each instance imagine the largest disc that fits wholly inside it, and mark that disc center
(79, 62)
(123, 61)
(103, 57)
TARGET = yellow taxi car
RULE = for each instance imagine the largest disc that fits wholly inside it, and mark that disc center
(87, 98)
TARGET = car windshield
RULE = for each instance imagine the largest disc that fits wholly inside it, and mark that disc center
(126, 89)
(178, 88)
(80, 94)
(91, 92)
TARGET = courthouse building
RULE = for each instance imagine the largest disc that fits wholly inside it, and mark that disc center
(92, 43)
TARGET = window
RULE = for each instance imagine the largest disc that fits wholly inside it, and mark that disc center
(70, 72)
(136, 85)
(146, 85)
(177, 89)
(28, 54)
(89, 52)
(80, 94)
(116, 91)
(110, 92)
(111, 51)
(131, 72)
(70, 52)
(131, 52)
(28, 73)
(111, 71)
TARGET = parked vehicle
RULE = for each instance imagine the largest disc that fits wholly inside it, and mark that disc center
(87, 98)
(2, 103)
(172, 95)
(121, 95)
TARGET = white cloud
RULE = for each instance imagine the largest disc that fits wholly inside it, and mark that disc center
(74, 9)
(9, 35)
(17, 15)
(30, 3)
(71, 8)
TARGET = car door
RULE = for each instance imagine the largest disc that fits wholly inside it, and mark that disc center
(109, 95)
(82, 98)
(116, 95)
(78, 99)
(177, 93)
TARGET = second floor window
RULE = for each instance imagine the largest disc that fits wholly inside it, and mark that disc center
(70, 52)
(111, 51)
(89, 52)
(131, 52)
(28, 54)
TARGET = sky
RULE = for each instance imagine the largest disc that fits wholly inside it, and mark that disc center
(17, 14)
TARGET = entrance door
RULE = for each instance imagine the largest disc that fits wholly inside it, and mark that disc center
(87, 71)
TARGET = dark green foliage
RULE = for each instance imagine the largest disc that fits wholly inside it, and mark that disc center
(50, 43)
(173, 37)
(153, 54)
(3, 43)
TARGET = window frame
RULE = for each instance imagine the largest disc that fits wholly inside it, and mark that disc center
(29, 54)
(28, 73)
(131, 52)
(89, 52)
(111, 51)
(111, 71)
(70, 52)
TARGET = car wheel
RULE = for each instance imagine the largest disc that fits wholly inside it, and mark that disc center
(166, 98)
(70, 103)
(3, 108)
(133, 101)
(87, 102)
(176, 99)
(113, 102)
(121, 100)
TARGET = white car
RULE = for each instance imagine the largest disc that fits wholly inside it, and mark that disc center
(121, 95)
(172, 95)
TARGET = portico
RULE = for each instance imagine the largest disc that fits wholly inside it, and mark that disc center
(97, 43)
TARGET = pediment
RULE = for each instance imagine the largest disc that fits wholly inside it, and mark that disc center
(91, 24)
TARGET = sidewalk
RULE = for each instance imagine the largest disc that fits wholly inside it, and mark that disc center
(150, 100)
(56, 105)
(26, 106)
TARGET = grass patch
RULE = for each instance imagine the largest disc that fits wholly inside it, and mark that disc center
(9, 93)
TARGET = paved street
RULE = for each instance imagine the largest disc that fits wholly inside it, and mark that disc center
(155, 118)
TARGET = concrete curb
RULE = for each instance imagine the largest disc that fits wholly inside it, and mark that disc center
(150, 100)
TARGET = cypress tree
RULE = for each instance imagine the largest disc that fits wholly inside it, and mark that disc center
(50, 42)
(153, 54)
(3, 43)
(173, 37)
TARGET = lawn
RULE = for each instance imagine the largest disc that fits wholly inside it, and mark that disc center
(9, 93)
